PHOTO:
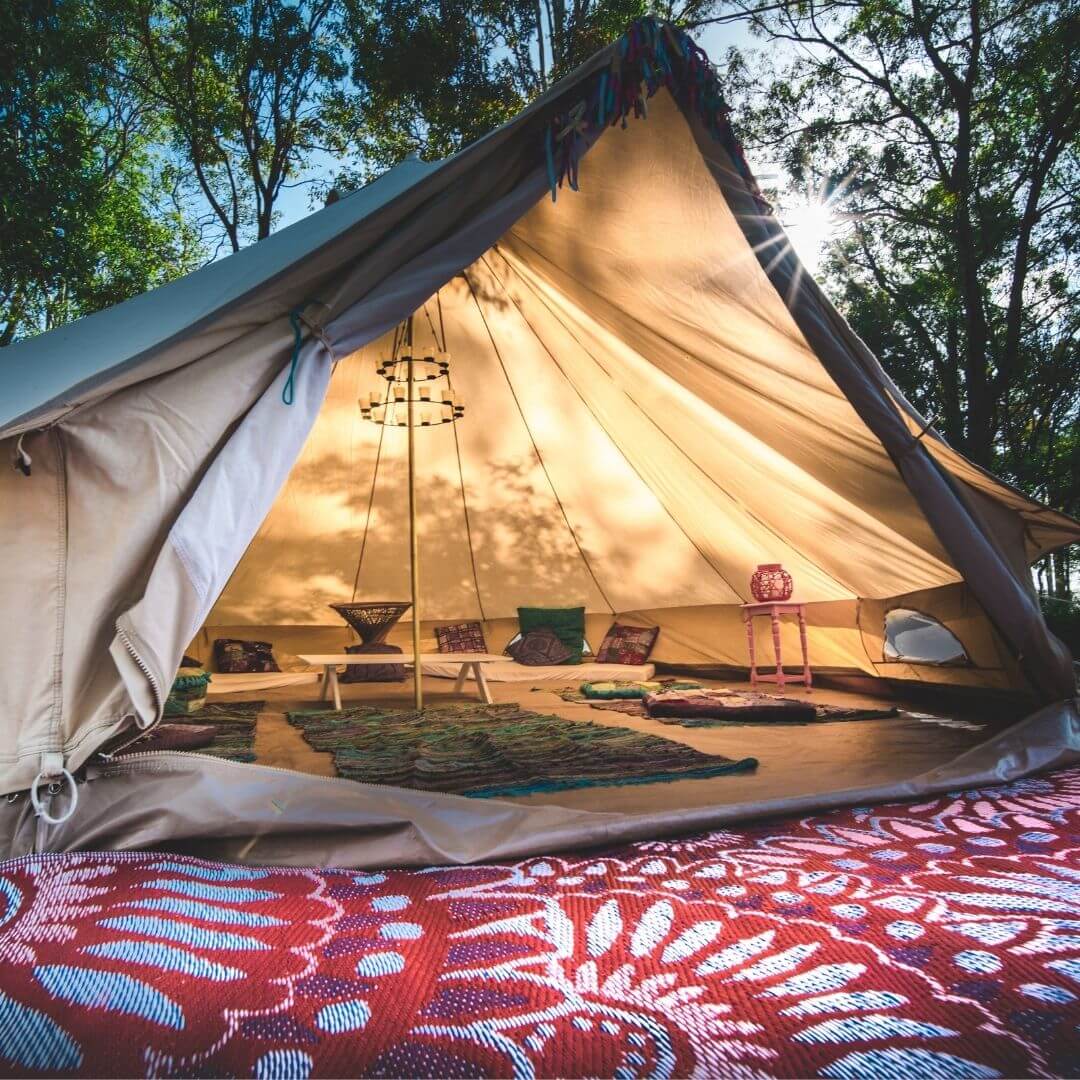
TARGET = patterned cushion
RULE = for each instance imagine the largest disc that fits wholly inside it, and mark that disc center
(540, 648)
(461, 637)
(567, 623)
(233, 656)
(374, 672)
(627, 644)
(173, 737)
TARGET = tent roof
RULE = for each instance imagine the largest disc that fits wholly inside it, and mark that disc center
(74, 360)
(45, 376)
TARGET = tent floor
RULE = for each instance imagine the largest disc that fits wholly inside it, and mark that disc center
(793, 760)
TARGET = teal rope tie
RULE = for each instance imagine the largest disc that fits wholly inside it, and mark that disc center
(288, 391)
(296, 316)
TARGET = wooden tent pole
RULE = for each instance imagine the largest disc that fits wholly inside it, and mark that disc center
(414, 542)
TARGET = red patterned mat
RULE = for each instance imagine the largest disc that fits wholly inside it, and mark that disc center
(940, 939)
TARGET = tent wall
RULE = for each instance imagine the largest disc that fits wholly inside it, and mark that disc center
(82, 535)
(843, 636)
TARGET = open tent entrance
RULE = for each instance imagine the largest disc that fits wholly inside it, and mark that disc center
(645, 424)
(658, 400)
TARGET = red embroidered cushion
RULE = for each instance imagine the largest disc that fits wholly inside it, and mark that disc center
(461, 637)
(627, 644)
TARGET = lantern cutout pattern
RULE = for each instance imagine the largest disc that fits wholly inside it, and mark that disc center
(771, 583)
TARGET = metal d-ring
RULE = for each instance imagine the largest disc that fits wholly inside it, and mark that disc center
(54, 789)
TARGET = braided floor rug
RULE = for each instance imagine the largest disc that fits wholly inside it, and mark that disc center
(937, 939)
(485, 751)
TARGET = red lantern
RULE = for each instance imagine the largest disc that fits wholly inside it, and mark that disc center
(771, 583)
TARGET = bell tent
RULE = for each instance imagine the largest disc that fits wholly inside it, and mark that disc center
(658, 398)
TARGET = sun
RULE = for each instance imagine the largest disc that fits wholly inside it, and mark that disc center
(810, 226)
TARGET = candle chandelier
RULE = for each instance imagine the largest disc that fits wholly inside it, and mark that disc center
(409, 400)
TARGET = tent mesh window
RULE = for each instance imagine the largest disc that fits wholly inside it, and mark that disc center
(915, 638)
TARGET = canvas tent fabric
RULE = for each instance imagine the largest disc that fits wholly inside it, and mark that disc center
(658, 395)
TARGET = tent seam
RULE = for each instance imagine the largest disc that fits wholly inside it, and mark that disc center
(371, 496)
(536, 448)
(461, 468)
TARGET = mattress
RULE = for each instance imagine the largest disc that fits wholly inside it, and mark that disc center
(259, 680)
(564, 674)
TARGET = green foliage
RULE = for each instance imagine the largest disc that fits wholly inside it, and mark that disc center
(433, 75)
(86, 217)
(1063, 618)
(249, 90)
(946, 136)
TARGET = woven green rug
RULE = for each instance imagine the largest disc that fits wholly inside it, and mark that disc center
(485, 751)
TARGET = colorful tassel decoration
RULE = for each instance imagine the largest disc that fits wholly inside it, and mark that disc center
(648, 56)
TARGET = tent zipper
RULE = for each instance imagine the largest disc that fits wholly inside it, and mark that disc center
(111, 754)
(151, 678)
(155, 689)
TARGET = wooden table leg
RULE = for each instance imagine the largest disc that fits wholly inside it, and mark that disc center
(334, 686)
(325, 682)
(482, 685)
(748, 622)
(807, 679)
(463, 674)
(776, 648)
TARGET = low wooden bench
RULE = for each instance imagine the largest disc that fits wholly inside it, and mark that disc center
(468, 661)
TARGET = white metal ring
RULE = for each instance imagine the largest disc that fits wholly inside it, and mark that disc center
(39, 807)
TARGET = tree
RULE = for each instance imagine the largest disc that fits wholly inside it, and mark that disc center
(86, 215)
(433, 75)
(246, 88)
(946, 137)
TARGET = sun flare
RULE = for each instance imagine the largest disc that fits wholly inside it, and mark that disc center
(810, 226)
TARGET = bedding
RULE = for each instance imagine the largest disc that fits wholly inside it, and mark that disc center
(243, 684)
(726, 705)
(362, 673)
(930, 939)
(234, 656)
(188, 690)
(509, 671)
(539, 648)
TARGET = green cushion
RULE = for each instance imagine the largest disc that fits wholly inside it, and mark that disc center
(614, 691)
(568, 624)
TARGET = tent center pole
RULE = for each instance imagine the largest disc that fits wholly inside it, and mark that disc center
(414, 543)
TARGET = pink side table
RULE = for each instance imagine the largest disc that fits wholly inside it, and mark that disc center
(774, 609)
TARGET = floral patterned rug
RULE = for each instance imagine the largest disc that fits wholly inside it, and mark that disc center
(938, 939)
